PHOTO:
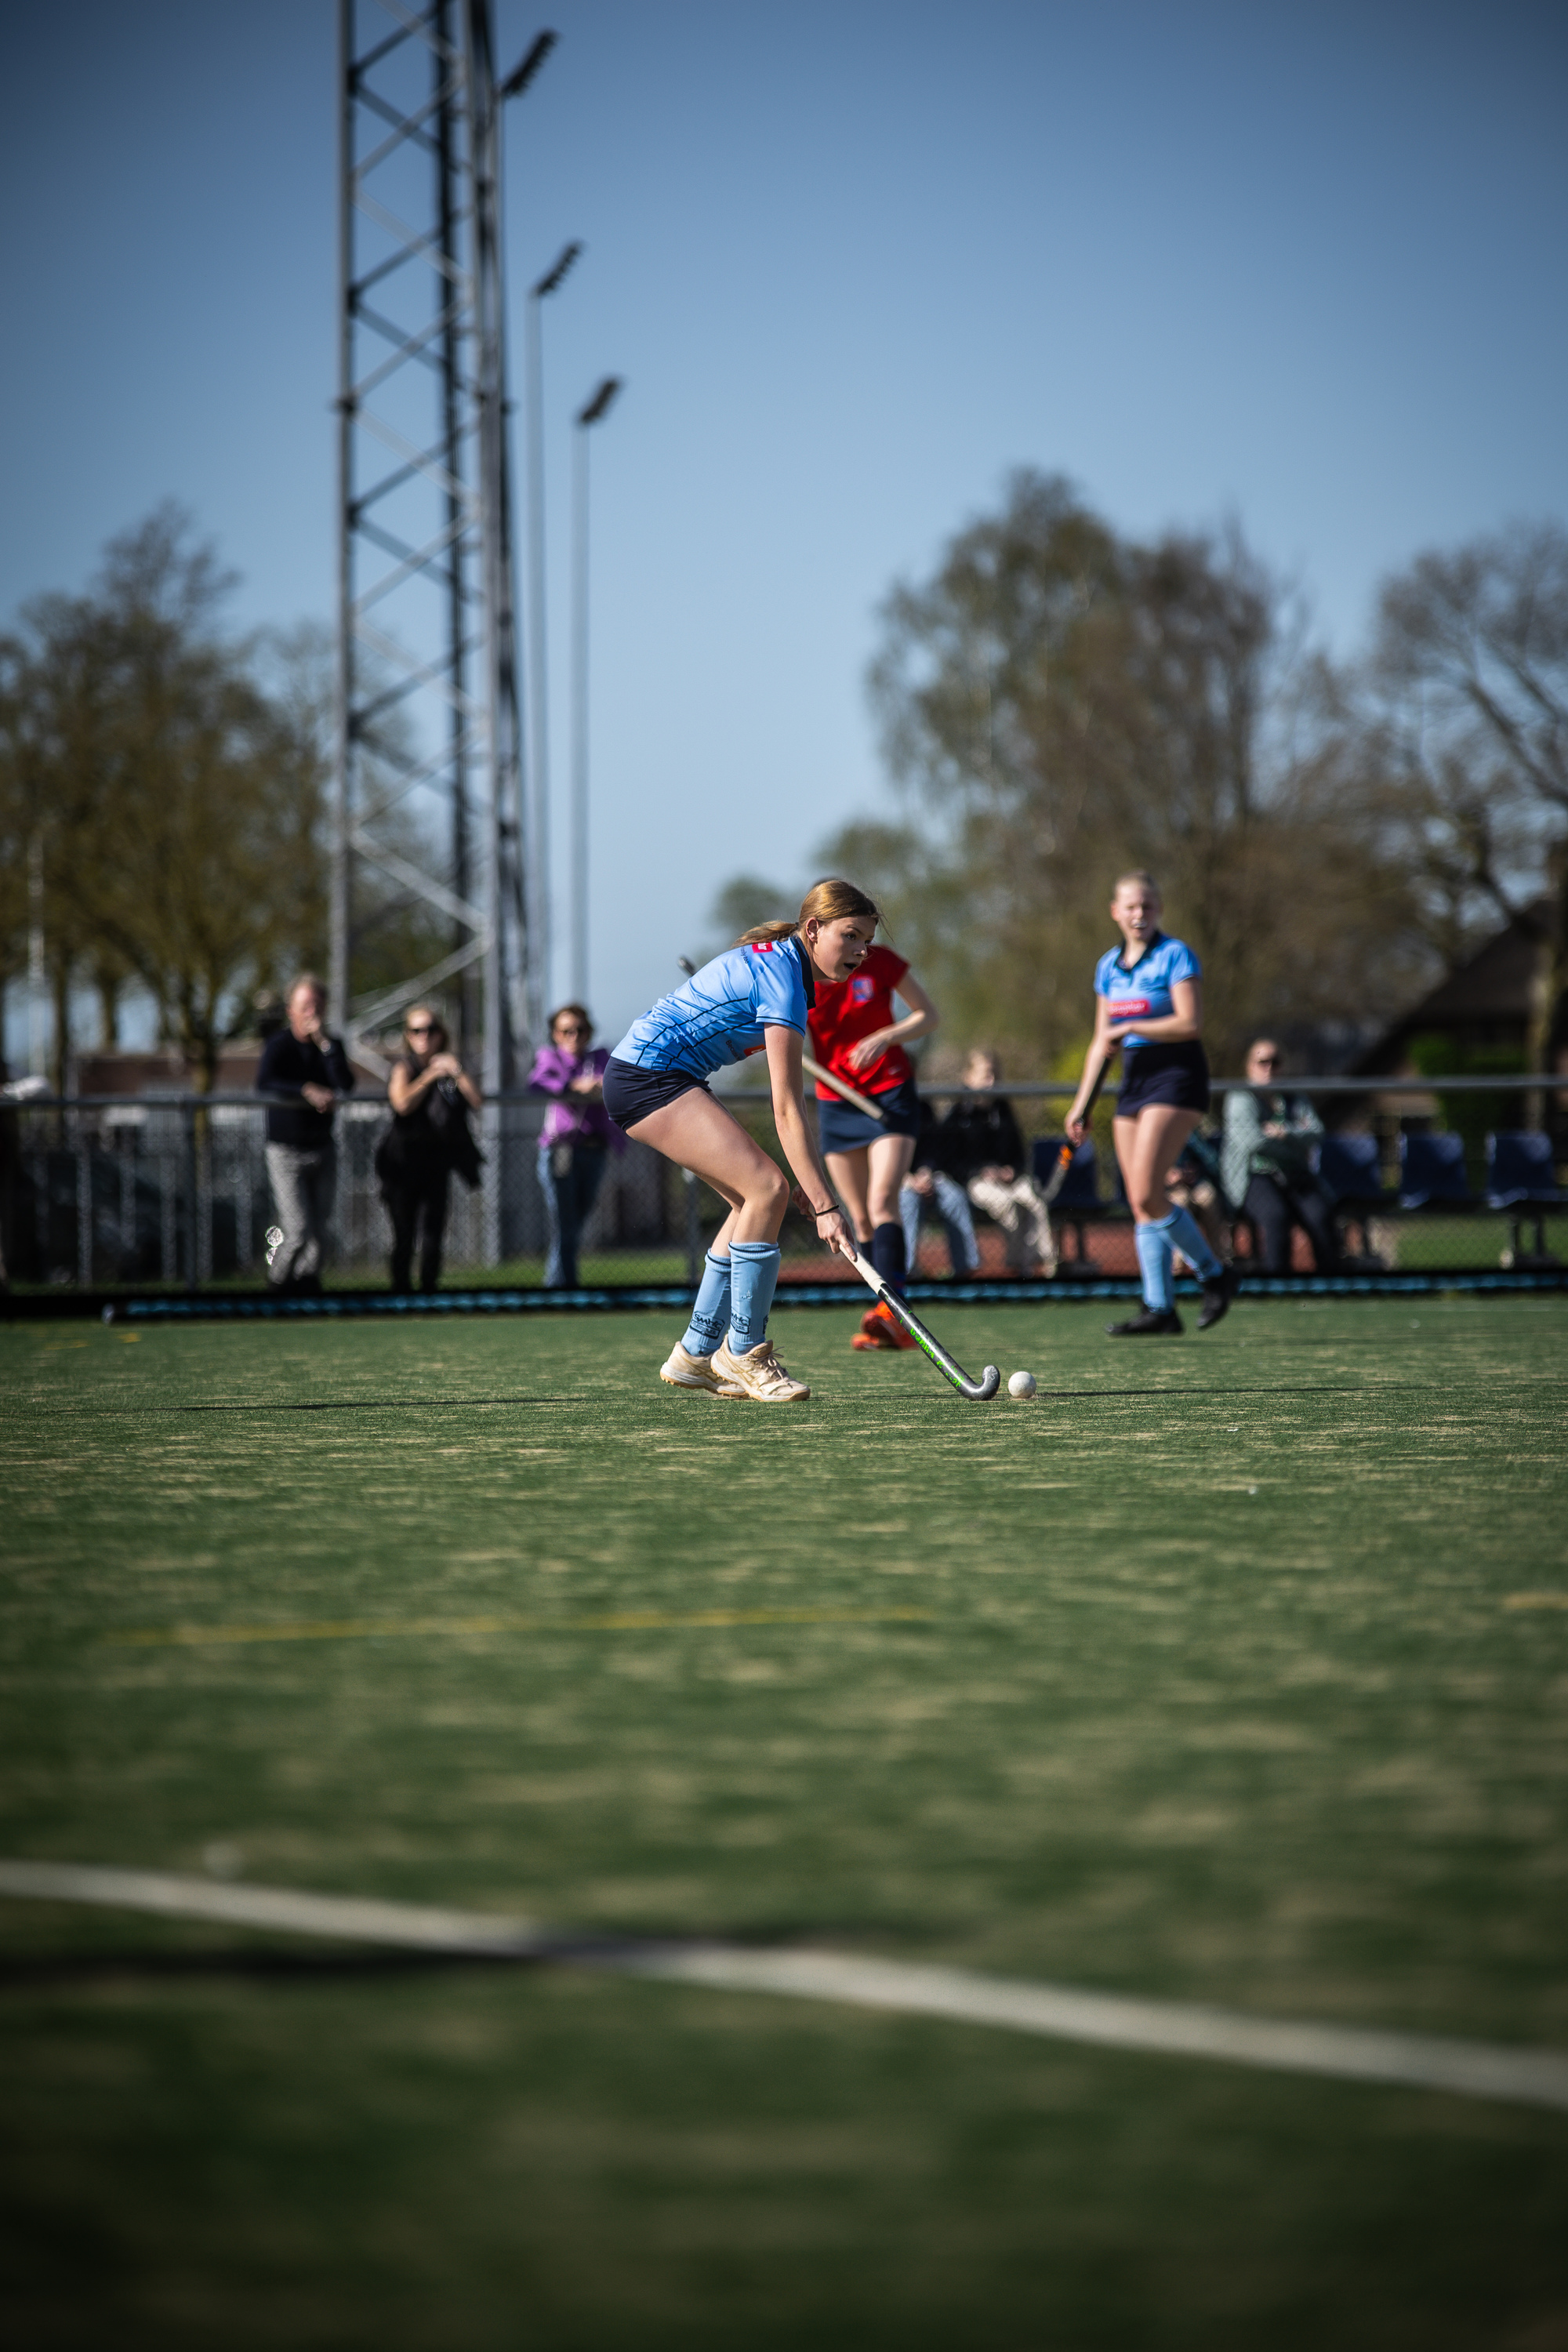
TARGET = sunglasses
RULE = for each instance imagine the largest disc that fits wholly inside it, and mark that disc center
(419, 1029)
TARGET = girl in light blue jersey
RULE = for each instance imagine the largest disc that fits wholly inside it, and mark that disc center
(1149, 1003)
(753, 999)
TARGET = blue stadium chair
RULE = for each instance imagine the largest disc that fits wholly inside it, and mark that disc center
(1078, 1200)
(1432, 1173)
(1351, 1168)
(1521, 1177)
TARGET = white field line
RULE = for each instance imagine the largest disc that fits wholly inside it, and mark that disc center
(413, 1925)
(1477, 2070)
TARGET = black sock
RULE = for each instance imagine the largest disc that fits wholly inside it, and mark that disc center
(887, 1255)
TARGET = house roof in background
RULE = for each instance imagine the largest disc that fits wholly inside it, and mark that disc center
(1490, 990)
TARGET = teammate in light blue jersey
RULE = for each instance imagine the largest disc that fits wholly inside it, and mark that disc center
(1143, 990)
(1149, 1004)
(753, 999)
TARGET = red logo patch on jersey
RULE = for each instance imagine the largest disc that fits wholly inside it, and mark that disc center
(762, 947)
(1123, 1008)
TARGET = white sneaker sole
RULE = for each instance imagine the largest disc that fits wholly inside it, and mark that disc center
(694, 1387)
(796, 1393)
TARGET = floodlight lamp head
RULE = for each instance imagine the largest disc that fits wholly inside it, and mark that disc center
(517, 81)
(552, 277)
(602, 402)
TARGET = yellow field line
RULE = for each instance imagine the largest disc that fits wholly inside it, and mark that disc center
(626, 1621)
(1536, 1600)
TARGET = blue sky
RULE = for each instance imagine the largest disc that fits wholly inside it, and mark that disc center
(1303, 266)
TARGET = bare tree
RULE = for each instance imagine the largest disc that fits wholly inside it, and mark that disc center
(395, 932)
(1060, 703)
(178, 806)
(1470, 662)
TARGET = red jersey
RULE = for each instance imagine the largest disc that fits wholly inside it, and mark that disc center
(850, 1009)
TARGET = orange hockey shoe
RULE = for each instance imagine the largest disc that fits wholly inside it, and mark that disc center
(881, 1328)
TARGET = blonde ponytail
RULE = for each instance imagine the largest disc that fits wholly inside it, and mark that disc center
(828, 901)
(766, 934)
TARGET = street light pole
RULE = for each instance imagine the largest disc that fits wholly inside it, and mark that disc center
(538, 645)
(588, 416)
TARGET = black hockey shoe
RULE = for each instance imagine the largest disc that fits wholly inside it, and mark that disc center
(1218, 1296)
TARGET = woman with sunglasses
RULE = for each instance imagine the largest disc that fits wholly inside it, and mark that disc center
(428, 1090)
(572, 1142)
(1266, 1161)
(1150, 1004)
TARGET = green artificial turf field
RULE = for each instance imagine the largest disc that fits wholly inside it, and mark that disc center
(1240, 1680)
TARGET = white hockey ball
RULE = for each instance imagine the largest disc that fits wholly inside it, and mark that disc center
(1022, 1384)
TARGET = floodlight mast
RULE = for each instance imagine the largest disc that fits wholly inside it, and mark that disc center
(538, 643)
(428, 699)
(592, 413)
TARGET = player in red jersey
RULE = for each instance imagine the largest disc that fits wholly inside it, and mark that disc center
(857, 1033)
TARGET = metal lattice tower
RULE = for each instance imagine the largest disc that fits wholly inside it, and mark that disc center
(430, 714)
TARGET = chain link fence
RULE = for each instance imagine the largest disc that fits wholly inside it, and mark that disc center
(172, 1191)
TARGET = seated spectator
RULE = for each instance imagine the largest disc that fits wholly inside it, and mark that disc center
(982, 1145)
(302, 1074)
(928, 1181)
(1194, 1184)
(577, 1132)
(1266, 1157)
(428, 1137)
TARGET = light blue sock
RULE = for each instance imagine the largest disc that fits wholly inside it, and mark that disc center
(1154, 1264)
(753, 1272)
(1188, 1236)
(710, 1315)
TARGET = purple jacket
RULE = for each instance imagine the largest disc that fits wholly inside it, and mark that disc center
(570, 1118)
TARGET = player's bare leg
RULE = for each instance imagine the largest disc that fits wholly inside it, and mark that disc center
(869, 1182)
(1148, 1147)
(851, 1175)
(698, 1133)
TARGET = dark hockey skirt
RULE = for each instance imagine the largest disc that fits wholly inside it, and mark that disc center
(1176, 1074)
(842, 1127)
(631, 1094)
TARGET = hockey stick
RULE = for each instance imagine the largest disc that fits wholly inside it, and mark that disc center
(860, 1102)
(814, 1069)
(1058, 1175)
(977, 1391)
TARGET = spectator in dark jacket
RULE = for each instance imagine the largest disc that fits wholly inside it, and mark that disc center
(929, 1181)
(303, 1072)
(981, 1146)
(428, 1137)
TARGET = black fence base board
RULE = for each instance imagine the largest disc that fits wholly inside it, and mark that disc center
(145, 1307)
